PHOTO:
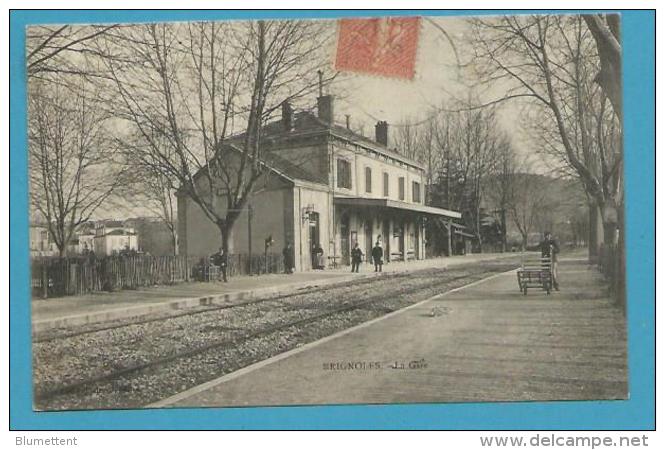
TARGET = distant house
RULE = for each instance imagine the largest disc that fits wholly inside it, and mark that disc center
(41, 243)
(112, 237)
(326, 187)
(104, 238)
(82, 240)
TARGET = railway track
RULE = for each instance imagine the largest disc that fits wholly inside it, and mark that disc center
(215, 349)
(50, 336)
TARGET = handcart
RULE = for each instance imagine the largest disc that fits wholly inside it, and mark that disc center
(535, 272)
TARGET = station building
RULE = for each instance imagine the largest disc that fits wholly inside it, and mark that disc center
(326, 186)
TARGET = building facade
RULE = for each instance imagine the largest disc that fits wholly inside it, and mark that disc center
(82, 242)
(327, 187)
(112, 237)
(41, 243)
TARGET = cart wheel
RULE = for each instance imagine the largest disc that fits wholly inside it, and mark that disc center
(524, 290)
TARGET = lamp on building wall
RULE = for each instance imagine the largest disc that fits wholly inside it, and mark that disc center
(307, 211)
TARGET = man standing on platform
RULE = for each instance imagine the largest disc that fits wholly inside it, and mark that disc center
(356, 258)
(377, 256)
(549, 248)
(288, 258)
(220, 260)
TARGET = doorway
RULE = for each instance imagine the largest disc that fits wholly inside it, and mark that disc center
(313, 238)
(400, 241)
(344, 238)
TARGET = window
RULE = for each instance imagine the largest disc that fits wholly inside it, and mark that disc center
(386, 185)
(343, 174)
(400, 187)
(368, 180)
(416, 192)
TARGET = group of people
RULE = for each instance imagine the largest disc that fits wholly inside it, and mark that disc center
(318, 261)
(220, 259)
(549, 248)
(357, 257)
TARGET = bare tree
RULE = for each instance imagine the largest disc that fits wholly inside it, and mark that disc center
(468, 143)
(61, 49)
(427, 142)
(185, 88)
(153, 191)
(409, 140)
(432, 153)
(550, 62)
(606, 31)
(529, 201)
(474, 157)
(499, 189)
(73, 169)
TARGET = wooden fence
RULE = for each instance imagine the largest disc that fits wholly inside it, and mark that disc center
(56, 277)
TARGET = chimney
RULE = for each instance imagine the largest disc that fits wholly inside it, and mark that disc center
(325, 108)
(381, 129)
(287, 116)
(348, 121)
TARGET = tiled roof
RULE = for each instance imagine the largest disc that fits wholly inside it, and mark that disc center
(307, 122)
(119, 233)
(289, 169)
(112, 223)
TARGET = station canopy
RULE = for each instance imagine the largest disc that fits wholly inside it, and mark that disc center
(397, 205)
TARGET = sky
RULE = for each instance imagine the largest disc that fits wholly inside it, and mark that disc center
(439, 80)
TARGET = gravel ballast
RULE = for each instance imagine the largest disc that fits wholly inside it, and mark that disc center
(133, 364)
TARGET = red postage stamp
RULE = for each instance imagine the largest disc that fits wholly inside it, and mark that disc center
(383, 46)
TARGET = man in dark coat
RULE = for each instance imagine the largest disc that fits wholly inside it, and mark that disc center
(288, 258)
(220, 260)
(549, 248)
(356, 258)
(377, 256)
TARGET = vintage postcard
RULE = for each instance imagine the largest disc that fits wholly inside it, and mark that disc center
(350, 210)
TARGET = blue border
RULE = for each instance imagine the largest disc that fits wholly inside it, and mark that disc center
(636, 413)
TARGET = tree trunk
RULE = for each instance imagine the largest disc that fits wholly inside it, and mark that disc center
(610, 234)
(605, 31)
(595, 231)
(478, 229)
(610, 219)
(524, 242)
(504, 231)
(224, 232)
(174, 240)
